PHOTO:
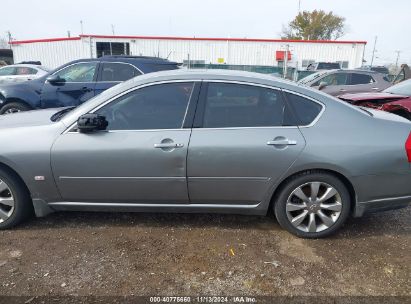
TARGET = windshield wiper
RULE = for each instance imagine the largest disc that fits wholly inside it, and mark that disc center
(57, 116)
(366, 111)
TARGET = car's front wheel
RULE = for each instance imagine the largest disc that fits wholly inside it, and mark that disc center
(14, 107)
(312, 205)
(15, 202)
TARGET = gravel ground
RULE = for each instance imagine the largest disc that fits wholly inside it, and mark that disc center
(184, 254)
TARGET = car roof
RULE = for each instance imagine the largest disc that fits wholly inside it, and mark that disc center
(352, 71)
(128, 59)
(33, 66)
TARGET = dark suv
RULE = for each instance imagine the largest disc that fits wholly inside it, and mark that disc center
(76, 82)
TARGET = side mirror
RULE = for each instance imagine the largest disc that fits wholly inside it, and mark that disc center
(90, 122)
(55, 79)
(322, 85)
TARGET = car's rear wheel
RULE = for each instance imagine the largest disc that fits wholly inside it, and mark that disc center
(312, 205)
(14, 107)
(15, 202)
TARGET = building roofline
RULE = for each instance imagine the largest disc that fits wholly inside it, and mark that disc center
(186, 38)
(44, 40)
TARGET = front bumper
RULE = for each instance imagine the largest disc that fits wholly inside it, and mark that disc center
(362, 208)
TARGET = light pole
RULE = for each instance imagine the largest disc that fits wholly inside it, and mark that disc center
(398, 58)
(373, 51)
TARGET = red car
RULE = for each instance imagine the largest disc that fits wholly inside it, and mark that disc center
(395, 99)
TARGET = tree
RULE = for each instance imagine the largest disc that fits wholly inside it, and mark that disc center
(315, 25)
(3, 43)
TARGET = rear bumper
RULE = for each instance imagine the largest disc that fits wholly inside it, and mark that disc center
(381, 205)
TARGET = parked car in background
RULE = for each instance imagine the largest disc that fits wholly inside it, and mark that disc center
(21, 72)
(77, 81)
(395, 99)
(337, 82)
(380, 69)
(207, 141)
(318, 66)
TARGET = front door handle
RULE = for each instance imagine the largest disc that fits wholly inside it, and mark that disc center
(168, 145)
(375, 89)
(86, 89)
(282, 142)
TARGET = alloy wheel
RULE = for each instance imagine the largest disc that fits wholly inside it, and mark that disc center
(12, 110)
(313, 207)
(6, 201)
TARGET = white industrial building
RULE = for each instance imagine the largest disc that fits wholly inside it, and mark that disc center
(232, 51)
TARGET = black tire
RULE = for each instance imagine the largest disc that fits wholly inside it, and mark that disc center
(14, 107)
(23, 206)
(342, 198)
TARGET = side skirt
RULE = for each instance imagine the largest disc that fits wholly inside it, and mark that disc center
(257, 209)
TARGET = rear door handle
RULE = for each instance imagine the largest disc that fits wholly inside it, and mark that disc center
(168, 145)
(282, 142)
(375, 89)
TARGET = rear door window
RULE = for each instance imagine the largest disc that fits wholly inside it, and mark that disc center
(230, 105)
(26, 71)
(333, 79)
(117, 72)
(357, 78)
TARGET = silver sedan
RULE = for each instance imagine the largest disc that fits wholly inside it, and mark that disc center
(207, 141)
(21, 72)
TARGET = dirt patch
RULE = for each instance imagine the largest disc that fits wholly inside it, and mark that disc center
(170, 254)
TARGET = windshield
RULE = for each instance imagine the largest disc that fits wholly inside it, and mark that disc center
(402, 88)
(311, 77)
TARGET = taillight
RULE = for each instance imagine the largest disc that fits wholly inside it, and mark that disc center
(408, 147)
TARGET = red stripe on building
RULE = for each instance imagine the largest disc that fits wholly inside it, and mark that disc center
(185, 38)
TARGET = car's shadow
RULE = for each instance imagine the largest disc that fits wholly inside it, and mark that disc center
(393, 222)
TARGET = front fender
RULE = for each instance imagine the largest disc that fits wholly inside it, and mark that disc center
(28, 95)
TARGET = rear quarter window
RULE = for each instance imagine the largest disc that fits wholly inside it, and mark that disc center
(304, 110)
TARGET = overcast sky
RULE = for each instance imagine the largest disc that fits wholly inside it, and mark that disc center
(365, 19)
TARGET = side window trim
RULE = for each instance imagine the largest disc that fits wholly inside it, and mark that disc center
(293, 111)
(82, 62)
(199, 115)
(100, 70)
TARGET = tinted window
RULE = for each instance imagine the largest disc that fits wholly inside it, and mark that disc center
(162, 67)
(328, 66)
(333, 79)
(233, 105)
(305, 110)
(153, 107)
(80, 72)
(25, 71)
(361, 79)
(118, 72)
(8, 71)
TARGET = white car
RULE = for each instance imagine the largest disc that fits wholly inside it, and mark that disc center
(21, 72)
